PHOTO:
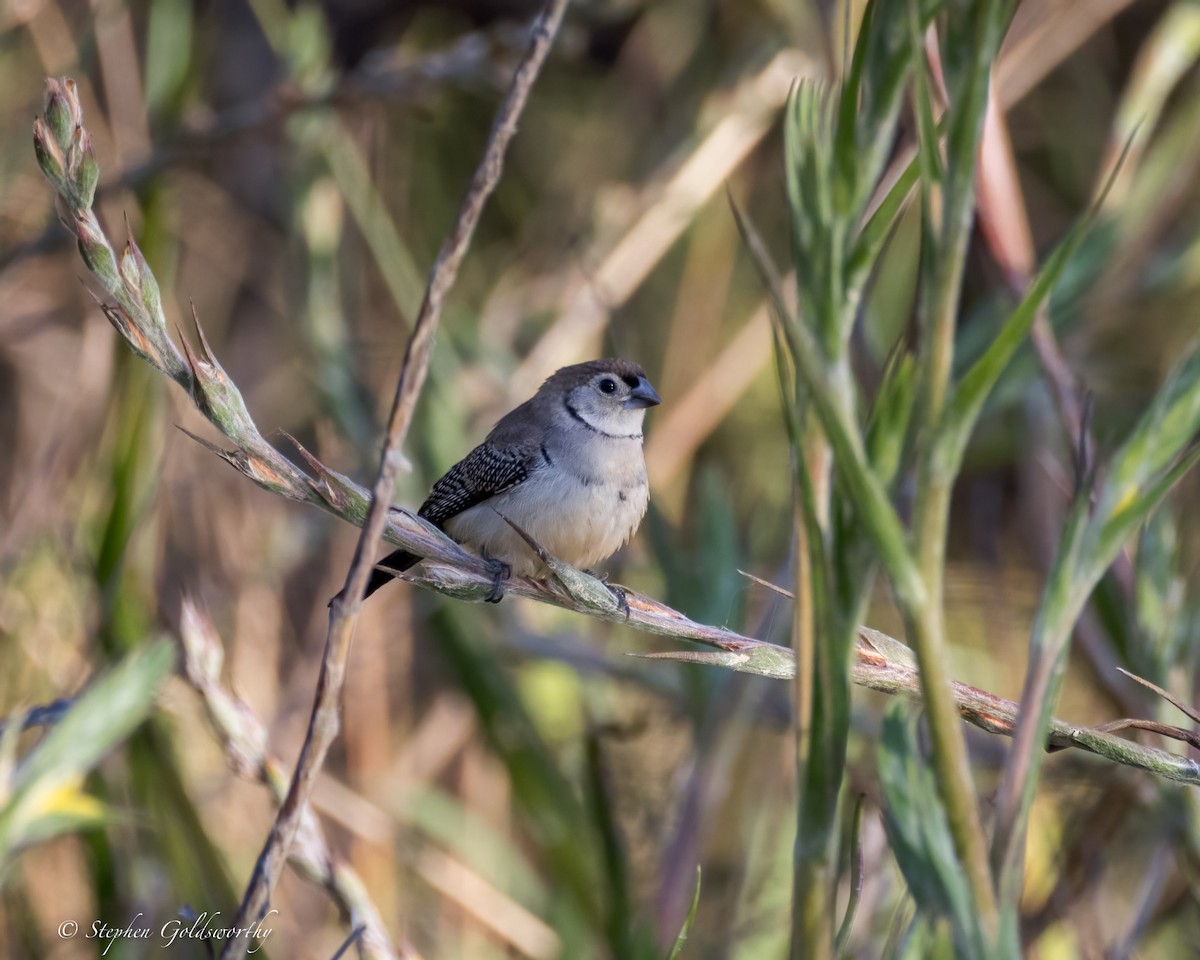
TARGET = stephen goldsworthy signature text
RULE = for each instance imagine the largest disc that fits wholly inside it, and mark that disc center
(204, 927)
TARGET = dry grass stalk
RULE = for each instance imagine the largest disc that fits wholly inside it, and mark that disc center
(324, 722)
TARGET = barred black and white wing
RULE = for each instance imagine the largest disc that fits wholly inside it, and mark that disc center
(481, 474)
(487, 470)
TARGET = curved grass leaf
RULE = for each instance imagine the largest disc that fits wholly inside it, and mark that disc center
(687, 923)
(919, 833)
(43, 796)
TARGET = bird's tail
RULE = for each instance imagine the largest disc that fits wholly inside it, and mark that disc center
(396, 562)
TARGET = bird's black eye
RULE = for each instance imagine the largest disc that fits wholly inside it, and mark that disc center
(608, 385)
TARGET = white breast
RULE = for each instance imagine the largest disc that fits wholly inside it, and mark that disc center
(581, 517)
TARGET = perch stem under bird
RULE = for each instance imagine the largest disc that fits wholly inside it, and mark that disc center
(564, 470)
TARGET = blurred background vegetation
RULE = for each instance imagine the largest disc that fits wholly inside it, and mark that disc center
(507, 782)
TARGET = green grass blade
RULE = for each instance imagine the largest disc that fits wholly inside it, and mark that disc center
(919, 833)
(44, 798)
(977, 383)
(856, 876)
(680, 940)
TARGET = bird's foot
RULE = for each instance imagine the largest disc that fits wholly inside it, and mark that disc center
(617, 592)
(500, 571)
(620, 597)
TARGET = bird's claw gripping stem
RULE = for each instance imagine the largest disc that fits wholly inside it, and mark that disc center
(617, 593)
(620, 597)
(500, 571)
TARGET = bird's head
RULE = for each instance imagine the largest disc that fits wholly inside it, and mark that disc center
(610, 396)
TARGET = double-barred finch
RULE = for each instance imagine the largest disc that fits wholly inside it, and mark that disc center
(566, 466)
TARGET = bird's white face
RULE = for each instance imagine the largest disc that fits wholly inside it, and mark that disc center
(612, 403)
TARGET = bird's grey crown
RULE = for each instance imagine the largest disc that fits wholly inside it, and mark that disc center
(579, 373)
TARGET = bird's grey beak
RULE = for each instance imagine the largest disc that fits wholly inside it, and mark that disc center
(643, 395)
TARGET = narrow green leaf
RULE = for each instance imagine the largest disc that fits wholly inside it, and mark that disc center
(887, 428)
(856, 876)
(971, 42)
(1167, 427)
(968, 399)
(44, 796)
(919, 833)
(1108, 535)
(878, 227)
(927, 132)
(1161, 594)
(977, 383)
(808, 163)
(851, 92)
(871, 96)
(1089, 545)
(680, 940)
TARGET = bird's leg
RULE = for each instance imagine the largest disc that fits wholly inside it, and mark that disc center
(500, 571)
(617, 592)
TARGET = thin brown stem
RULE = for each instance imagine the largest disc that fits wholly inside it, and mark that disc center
(343, 616)
(244, 738)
